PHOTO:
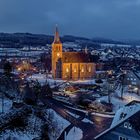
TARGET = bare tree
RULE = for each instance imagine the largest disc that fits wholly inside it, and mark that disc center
(122, 78)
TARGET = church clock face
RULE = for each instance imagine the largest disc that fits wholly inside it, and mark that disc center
(58, 54)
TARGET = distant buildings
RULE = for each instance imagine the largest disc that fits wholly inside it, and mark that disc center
(70, 65)
(133, 80)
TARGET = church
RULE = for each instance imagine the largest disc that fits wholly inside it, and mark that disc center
(70, 65)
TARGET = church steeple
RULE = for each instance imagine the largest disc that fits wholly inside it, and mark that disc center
(56, 55)
(56, 37)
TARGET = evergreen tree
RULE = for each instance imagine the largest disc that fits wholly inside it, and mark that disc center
(7, 68)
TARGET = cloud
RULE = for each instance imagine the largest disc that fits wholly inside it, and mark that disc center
(91, 18)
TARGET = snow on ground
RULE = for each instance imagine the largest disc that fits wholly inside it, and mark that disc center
(87, 121)
(111, 115)
(7, 105)
(117, 101)
(84, 111)
(34, 125)
(89, 81)
(75, 134)
(131, 96)
(57, 124)
(32, 130)
(74, 115)
(42, 78)
(16, 136)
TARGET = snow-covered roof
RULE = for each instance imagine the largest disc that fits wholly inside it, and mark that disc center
(123, 115)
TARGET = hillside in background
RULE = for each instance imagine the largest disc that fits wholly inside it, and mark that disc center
(20, 39)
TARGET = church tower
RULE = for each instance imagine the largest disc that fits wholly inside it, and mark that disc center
(56, 55)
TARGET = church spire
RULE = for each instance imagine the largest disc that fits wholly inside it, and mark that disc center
(56, 37)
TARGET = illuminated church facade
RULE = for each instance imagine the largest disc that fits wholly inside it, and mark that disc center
(70, 65)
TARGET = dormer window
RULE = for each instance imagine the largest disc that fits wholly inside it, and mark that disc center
(127, 125)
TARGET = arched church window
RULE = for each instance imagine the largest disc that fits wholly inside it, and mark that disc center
(75, 70)
(82, 70)
(67, 70)
(89, 69)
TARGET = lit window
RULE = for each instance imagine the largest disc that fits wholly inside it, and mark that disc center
(82, 69)
(67, 70)
(19, 69)
(89, 69)
(75, 70)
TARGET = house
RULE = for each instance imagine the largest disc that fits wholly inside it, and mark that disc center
(133, 80)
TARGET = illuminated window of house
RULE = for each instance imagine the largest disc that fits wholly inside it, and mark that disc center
(82, 69)
(67, 70)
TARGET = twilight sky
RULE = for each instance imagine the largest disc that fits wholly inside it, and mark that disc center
(117, 19)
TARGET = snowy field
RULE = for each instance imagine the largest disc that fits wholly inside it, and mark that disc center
(57, 124)
(42, 78)
(117, 101)
(10, 135)
(7, 104)
(33, 130)
(75, 134)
